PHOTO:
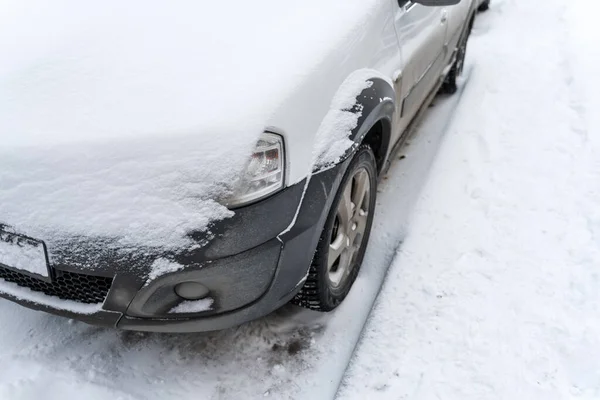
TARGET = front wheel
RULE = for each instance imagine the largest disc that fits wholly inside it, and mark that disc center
(344, 239)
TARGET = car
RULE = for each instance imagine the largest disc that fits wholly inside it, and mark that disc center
(190, 167)
(484, 5)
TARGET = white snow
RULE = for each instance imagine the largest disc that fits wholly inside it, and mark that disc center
(162, 266)
(149, 199)
(23, 254)
(332, 141)
(193, 306)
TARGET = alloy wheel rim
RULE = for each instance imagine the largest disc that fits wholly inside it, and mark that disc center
(349, 227)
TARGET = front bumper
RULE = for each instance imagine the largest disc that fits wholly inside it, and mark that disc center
(252, 263)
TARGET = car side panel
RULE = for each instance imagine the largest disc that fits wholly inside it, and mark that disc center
(457, 18)
(421, 32)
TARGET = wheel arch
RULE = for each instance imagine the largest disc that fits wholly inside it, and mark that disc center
(376, 105)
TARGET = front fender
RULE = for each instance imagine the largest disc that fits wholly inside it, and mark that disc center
(352, 117)
(376, 103)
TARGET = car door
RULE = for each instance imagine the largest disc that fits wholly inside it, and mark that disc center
(421, 35)
(457, 18)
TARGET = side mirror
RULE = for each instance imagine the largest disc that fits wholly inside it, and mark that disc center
(437, 3)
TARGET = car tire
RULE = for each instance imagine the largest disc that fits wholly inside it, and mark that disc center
(450, 85)
(344, 239)
(484, 6)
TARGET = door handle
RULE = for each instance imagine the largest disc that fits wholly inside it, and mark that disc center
(444, 16)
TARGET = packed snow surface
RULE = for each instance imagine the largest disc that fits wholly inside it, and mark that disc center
(131, 121)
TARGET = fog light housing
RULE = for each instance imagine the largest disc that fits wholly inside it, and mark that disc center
(192, 291)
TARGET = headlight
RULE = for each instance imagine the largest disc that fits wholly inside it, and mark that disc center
(265, 173)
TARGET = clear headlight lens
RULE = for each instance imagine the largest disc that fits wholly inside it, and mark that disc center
(265, 173)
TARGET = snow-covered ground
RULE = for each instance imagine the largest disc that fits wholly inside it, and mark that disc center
(494, 293)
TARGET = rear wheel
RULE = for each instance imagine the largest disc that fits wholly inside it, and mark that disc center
(484, 6)
(343, 242)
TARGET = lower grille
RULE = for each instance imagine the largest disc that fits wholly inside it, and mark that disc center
(82, 288)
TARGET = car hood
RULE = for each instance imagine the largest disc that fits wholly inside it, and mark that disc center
(124, 119)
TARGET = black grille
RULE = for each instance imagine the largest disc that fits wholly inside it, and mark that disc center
(67, 286)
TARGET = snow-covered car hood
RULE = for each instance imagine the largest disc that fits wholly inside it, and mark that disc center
(123, 119)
